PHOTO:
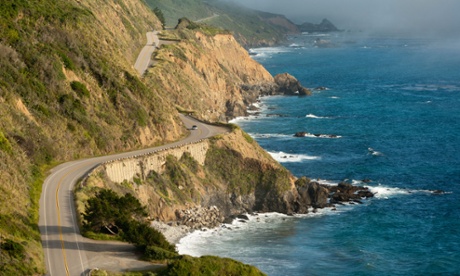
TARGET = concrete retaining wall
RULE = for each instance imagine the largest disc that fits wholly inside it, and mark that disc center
(140, 166)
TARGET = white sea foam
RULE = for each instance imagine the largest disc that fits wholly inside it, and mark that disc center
(295, 45)
(315, 34)
(380, 191)
(270, 135)
(241, 119)
(316, 117)
(218, 239)
(383, 192)
(192, 244)
(287, 157)
(265, 52)
(327, 136)
(374, 152)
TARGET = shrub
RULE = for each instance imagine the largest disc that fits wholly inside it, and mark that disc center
(156, 253)
(15, 250)
(80, 89)
(124, 216)
(143, 236)
(209, 265)
(68, 63)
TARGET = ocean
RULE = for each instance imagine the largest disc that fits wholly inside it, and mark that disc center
(387, 110)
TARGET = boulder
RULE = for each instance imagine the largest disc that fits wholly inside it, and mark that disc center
(289, 85)
(345, 192)
(199, 217)
(312, 193)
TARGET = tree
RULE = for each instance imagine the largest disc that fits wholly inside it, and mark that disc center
(123, 216)
(107, 210)
(160, 16)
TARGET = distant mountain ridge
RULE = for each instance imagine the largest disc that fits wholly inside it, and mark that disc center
(251, 28)
(324, 26)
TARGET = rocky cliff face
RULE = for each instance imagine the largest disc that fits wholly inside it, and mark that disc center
(215, 77)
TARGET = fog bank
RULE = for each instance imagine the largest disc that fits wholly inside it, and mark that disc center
(430, 17)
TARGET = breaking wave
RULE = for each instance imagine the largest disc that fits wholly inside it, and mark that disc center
(290, 157)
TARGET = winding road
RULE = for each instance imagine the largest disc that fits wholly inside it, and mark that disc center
(143, 60)
(66, 251)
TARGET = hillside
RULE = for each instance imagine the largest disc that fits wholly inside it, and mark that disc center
(68, 90)
(251, 28)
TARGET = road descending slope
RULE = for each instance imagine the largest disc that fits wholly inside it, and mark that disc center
(143, 60)
(66, 251)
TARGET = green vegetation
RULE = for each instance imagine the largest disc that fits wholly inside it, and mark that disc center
(206, 29)
(245, 175)
(175, 9)
(80, 89)
(250, 27)
(125, 217)
(160, 16)
(190, 266)
(209, 265)
(5, 144)
(52, 54)
(68, 91)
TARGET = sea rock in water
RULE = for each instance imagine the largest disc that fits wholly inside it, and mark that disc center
(345, 192)
(311, 193)
(289, 85)
(300, 134)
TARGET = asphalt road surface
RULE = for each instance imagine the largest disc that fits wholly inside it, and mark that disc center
(66, 251)
(143, 60)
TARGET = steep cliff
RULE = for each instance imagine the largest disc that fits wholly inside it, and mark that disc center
(68, 90)
(206, 73)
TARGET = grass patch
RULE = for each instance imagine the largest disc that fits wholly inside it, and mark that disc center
(209, 265)
(80, 89)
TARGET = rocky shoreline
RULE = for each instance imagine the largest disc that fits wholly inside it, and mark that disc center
(312, 196)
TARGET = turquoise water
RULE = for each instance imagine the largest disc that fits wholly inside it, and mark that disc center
(393, 105)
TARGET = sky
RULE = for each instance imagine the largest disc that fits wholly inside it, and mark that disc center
(434, 17)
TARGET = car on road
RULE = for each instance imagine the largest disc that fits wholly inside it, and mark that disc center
(194, 127)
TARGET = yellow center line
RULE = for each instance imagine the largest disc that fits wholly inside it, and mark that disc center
(59, 225)
(61, 236)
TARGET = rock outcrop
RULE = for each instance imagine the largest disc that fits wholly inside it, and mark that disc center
(289, 85)
(324, 26)
(345, 192)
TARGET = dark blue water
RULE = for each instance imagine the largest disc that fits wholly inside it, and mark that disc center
(393, 105)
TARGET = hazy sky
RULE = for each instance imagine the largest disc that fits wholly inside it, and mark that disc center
(430, 16)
